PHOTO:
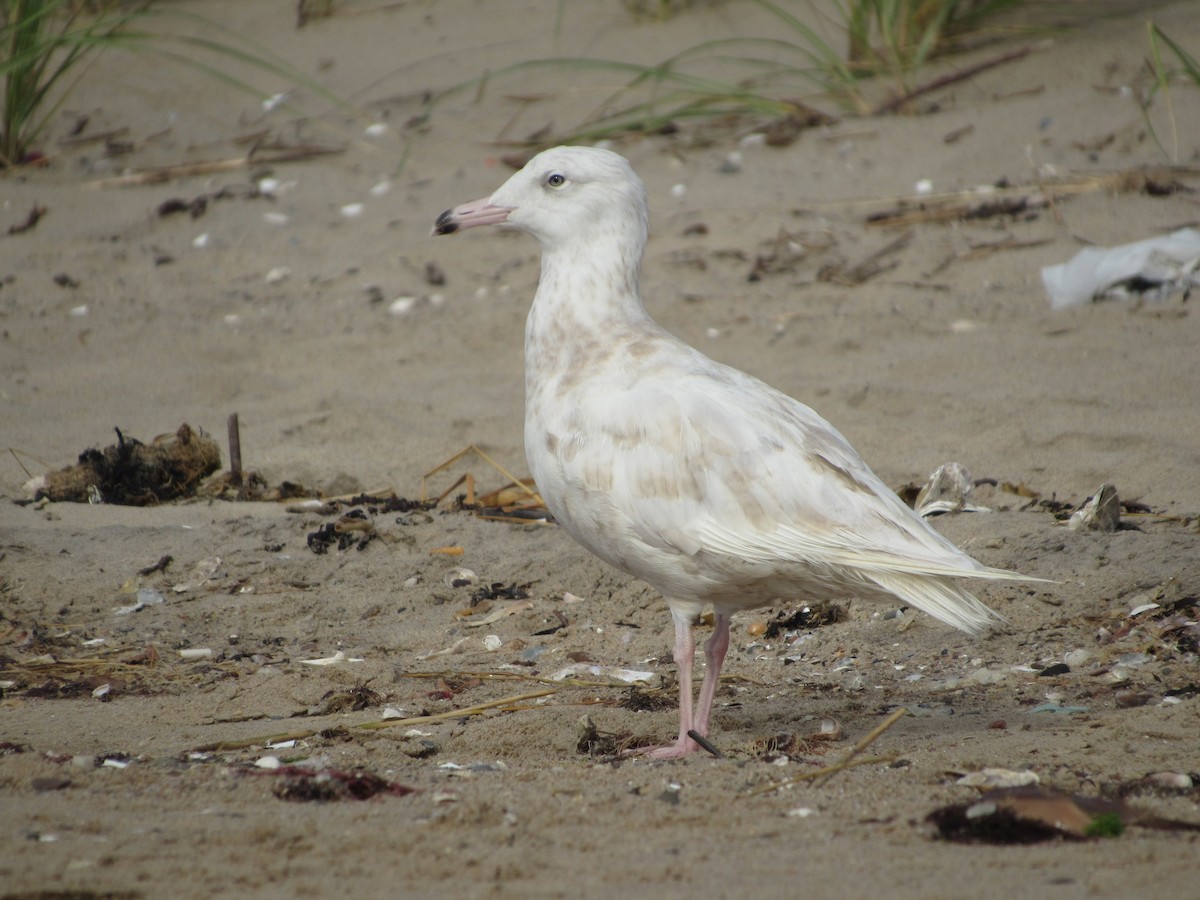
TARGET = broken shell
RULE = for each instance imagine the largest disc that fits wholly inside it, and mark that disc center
(352, 210)
(756, 629)
(1101, 513)
(948, 489)
(999, 778)
(492, 642)
(457, 578)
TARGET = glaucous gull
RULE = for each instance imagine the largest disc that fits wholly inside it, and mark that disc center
(701, 480)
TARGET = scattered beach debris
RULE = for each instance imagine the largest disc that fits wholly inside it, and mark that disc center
(1031, 814)
(131, 473)
(518, 501)
(300, 784)
(1154, 269)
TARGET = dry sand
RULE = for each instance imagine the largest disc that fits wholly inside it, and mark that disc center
(949, 353)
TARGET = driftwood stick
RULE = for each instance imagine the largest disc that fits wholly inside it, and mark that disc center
(235, 451)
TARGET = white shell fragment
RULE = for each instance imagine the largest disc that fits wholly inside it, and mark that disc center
(1170, 262)
(278, 274)
(204, 571)
(352, 210)
(492, 643)
(502, 613)
(948, 490)
(337, 657)
(999, 778)
(1101, 513)
(590, 670)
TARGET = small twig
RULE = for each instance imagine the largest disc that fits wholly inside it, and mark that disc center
(235, 451)
(952, 78)
(846, 762)
(35, 214)
(471, 448)
(477, 710)
(160, 566)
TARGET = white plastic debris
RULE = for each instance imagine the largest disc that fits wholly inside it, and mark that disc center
(145, 597)
(192, 653)
(78, 312)
(923, 187)
(275, 100)
(200, 241)
(268, 762)
(1162, 265)
(375, 129)
(352, 210)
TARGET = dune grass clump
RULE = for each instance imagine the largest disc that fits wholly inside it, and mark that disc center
(46, 44)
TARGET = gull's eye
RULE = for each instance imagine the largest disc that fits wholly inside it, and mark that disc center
(556, 179)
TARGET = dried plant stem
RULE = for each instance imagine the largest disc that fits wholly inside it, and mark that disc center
(846, 762)
(477, 710)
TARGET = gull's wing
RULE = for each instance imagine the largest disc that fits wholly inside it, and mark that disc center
(703, 458)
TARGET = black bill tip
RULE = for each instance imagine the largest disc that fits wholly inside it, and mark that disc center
(445, 223)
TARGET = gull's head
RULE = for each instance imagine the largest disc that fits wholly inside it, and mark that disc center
(563, 195)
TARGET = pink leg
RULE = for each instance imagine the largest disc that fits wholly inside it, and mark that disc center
(714, 657)
(685, 649)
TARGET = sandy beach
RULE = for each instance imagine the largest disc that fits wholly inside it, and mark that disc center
(359, 353)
